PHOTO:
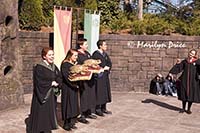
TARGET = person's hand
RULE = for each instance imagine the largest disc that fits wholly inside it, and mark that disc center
(102, 70)
(54, 83)
(75, 86)
(178, 61)
(106, 68)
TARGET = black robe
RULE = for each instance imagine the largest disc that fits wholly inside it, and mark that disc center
(188, 89)
(87, 88)
(103, 91)
(43, 111)
(69, 94)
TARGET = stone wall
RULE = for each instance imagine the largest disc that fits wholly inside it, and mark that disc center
(31, 44)
(11, 92)
(136, 59)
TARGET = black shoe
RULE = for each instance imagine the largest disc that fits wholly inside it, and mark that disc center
(73, 126)
(106, 112)
(91, 116)
(182, 111)
(99, 113)
(83, 120)
(67, 127)
(189, 112)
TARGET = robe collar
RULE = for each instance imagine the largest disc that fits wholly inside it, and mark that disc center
(191, 60)
(47, 65)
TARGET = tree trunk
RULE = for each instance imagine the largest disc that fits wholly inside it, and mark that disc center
(140, 10)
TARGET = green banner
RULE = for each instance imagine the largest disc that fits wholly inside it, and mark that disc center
(91, 29)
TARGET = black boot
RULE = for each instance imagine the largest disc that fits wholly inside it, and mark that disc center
(67, 125)
(82, 119)
(189, 107)
(98, 111)
(104, 110)
(183, 107)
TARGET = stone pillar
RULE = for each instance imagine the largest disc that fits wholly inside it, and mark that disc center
(11, 92)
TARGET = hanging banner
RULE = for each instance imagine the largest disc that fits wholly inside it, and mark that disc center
(62, 34)
(91, 29)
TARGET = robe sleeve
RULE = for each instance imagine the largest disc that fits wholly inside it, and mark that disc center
(65, 75)
(198, 62)
(177, 68)
(40, 82)
(58, 77)
(108, 61)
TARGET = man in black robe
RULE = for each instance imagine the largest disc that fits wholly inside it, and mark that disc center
(188, 90)
(103, 92)
(87, 88)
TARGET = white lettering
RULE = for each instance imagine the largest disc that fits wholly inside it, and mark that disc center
(155, 44)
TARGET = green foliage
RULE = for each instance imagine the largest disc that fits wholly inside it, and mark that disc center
(110, 13)
(151, 24)
(68, 3)
(196, 27)
(90, 4)
(119, 23)
(36, 13)
(138, 27)
(31, 15)
(47, 8)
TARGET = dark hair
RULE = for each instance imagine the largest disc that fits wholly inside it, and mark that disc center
(45, 50)
(168, 76)
(194, 51)
(100, 43)
(81, 42)
(69, 54)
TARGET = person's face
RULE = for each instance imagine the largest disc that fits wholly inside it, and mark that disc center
(157, 78)
(192, 54)
(103, 46)
(84, 46)
(169, 78)
(49, 57)
(74, 57)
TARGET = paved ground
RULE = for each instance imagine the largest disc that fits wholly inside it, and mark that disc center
(132, 113)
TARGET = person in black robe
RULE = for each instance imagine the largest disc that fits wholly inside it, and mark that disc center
(103, 92)
(188, 90)
(69, 93)
(46, 77)
(87, 88)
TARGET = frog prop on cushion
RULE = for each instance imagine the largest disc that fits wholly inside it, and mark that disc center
(79, 72)
(93, 65)
(78, 69)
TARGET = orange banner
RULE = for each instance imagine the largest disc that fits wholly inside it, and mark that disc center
(62, 34)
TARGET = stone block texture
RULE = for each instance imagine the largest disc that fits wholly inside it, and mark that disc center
(11, 92)
(136, 59)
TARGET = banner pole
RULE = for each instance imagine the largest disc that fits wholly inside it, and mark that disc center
(77, 23)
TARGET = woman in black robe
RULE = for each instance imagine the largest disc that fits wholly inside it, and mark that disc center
(188, 91)
(103, 92)
(46, 77)
(69, 93)
(87, 88)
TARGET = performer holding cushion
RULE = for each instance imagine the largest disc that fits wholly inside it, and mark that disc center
(87, 91)
(69, 95)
